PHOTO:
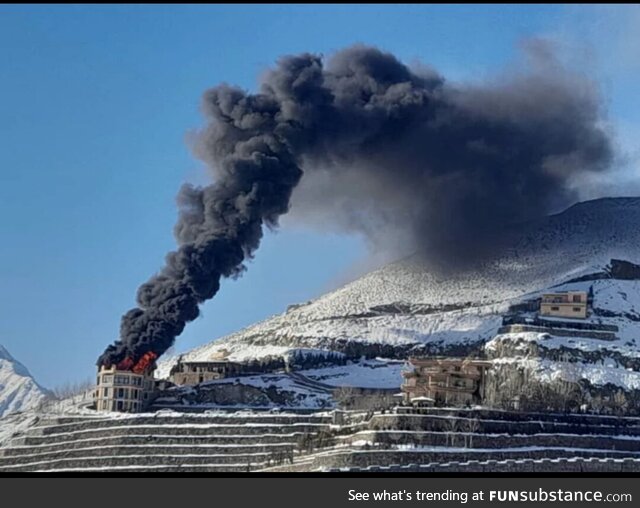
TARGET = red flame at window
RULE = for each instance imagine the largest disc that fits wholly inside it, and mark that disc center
(142, 365)
(145, 362)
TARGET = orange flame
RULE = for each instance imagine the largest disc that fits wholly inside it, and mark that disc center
(145, 362)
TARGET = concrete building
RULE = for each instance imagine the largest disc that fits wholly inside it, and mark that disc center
(194, 372)
(446, 381)
(566, 304)
(123, 390)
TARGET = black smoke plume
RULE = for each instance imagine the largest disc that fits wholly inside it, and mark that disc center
(383, 147)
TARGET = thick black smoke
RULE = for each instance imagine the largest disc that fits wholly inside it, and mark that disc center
(383, 147)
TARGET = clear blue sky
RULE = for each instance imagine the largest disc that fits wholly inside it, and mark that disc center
(95, 103)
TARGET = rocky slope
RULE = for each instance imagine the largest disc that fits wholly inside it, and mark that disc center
(406, 307)
(18, 390)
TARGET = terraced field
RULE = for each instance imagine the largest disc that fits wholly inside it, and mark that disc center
(434, 440)
(473, 441)
(159, 443)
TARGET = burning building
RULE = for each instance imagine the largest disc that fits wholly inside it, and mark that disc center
(126, 386)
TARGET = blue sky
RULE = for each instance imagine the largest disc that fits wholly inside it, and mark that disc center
(95, 105)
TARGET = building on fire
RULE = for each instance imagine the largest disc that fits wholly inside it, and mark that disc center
(123, 390)
(445, 381)
(126, 387)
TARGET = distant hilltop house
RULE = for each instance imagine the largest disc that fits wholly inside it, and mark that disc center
(444, 381)
(198, 371)
(566, 304)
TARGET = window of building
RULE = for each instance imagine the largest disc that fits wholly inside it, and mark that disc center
(576, 299)
(120, 393)
(119, 405)
(577, 309)
(107, 379)
(555, 308)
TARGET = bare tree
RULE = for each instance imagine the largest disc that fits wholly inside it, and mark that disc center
(597, 403)
(471, 426)
(73, 389)
(451, 428)
(345, 396)
(620, 402)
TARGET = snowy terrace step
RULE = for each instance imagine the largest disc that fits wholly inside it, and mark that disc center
(493, 441)
(199, 453)
(222, 463)
(48, 420)
(125, 429)
(455, 423)
(577, 464)
(341, 458)
(523, 416)
(250, 425)
(44, 443)
(558, 332)
(104, 447)
(163, 468)
(71, 424)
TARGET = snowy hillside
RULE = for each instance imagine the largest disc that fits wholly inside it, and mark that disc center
(603, 362)
(406, 305)
(18, 390)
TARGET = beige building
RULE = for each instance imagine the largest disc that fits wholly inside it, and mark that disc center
(567, 304)
(123, 390)
(446, 381)
(194, 372)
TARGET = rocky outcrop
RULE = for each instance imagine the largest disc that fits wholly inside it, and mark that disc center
(624, 270)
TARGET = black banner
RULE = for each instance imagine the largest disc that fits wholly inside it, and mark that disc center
(331, 492)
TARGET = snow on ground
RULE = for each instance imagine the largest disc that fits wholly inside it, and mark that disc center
(599, 375)
(296, 394)
(619, 297)
(366, 374)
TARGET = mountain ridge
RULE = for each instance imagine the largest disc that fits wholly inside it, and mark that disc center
(19, 391)
(404, 306)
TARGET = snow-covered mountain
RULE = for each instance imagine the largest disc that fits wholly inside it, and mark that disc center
(406, 307)
(18, 390)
